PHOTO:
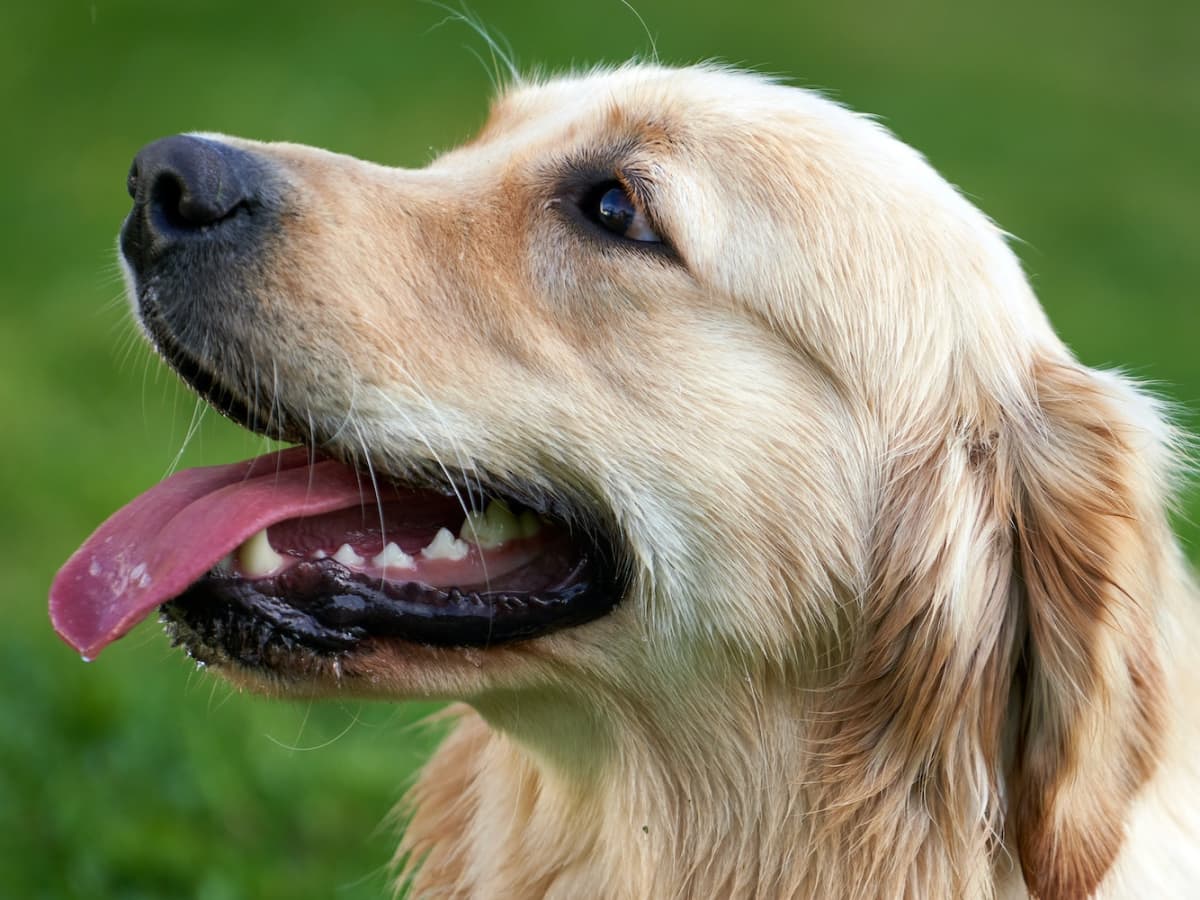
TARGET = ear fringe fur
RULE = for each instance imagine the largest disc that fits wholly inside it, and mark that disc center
(1006, 687)
(1090, 525)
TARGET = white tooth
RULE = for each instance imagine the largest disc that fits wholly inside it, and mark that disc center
(347, 557)
(445, 546)
(530, 524)
(318, 554)
(256, 556)
(491, 528)
(226, 564)
(393, 557)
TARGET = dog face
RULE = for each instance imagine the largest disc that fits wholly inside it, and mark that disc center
(779, 399)
(479, 321)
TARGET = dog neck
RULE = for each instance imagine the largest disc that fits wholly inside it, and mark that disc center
(537, 799)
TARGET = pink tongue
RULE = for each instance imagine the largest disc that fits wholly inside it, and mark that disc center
(149, 551)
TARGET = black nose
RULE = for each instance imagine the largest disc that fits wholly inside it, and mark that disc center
(184, 189)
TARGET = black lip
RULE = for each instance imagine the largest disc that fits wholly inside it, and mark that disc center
(279, 425)
(196, 289)
(322, 607)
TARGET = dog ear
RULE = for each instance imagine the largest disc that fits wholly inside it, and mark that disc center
(1092, 552)
(1003, 679)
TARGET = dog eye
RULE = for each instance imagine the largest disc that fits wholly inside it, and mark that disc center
(610, 206)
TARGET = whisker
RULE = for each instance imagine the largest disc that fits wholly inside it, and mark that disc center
(275, 407)
(255, 388)
(312, 450)
(198, 411)
(463, 460)
(650, 37)
(500, 53)
(378, 498)
(450, 480)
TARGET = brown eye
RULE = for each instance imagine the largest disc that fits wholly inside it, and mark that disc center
(610, 206)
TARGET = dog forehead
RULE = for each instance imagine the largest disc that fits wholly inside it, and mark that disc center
(648, 100)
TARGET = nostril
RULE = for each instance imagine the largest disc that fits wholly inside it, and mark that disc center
(184, 183)
(166, 195)
(188, 190)
(182, 207)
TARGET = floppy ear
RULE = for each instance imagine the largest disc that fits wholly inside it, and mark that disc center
(1092, 555)
(1003, 678)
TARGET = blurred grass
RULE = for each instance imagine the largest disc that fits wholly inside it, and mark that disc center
(1077, 126)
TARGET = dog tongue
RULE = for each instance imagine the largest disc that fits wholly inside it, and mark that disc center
(149, 551)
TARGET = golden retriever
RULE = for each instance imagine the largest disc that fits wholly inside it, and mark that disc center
(802, 558)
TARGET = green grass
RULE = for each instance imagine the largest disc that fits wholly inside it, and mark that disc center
(1077, 126)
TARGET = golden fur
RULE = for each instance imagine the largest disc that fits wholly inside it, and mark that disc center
(906, 620)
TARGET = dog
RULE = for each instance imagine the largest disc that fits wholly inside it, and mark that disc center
(715, 453)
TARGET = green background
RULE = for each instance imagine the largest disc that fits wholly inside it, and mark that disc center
(1076, 126)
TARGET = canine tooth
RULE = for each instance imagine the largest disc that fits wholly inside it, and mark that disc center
(530, 524)
(256, 556)
(392, 557)
(445, 546)
(318, 554)
(347, 557)
(502, 521)
(473, 527)
(492, 527)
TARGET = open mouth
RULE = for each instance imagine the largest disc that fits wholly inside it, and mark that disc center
(290, 551)
(285, 552)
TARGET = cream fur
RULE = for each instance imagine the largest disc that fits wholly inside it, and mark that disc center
(907, 619)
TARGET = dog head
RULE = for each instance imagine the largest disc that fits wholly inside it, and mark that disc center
(763, 400)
